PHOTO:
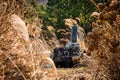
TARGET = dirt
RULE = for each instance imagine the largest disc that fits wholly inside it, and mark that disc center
(73, 74)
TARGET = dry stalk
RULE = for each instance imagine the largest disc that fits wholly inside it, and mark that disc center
(94, 3)
(32, 56)
(47, 59)
(15, 66)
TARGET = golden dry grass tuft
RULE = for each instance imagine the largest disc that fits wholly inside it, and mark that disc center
(17, 61)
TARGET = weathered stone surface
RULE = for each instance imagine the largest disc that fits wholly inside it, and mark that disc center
(42, 2)
(81, 32)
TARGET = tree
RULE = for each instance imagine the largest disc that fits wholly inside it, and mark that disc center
(61, 9)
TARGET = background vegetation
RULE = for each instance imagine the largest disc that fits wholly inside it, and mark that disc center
(57, 10)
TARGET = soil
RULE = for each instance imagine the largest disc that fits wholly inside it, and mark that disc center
(72, 73)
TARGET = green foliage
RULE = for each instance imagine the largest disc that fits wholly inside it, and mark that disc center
(57, 10)
(34, 10)
(61, 9)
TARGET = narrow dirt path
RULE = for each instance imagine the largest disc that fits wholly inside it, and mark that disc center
(73, 74)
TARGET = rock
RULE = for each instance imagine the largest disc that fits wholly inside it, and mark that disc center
(42, 2)
(81, 33)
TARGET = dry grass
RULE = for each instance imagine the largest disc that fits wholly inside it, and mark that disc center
(16, 61)
(104, 42)
(74, 74)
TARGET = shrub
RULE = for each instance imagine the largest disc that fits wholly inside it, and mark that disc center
(104, 42)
